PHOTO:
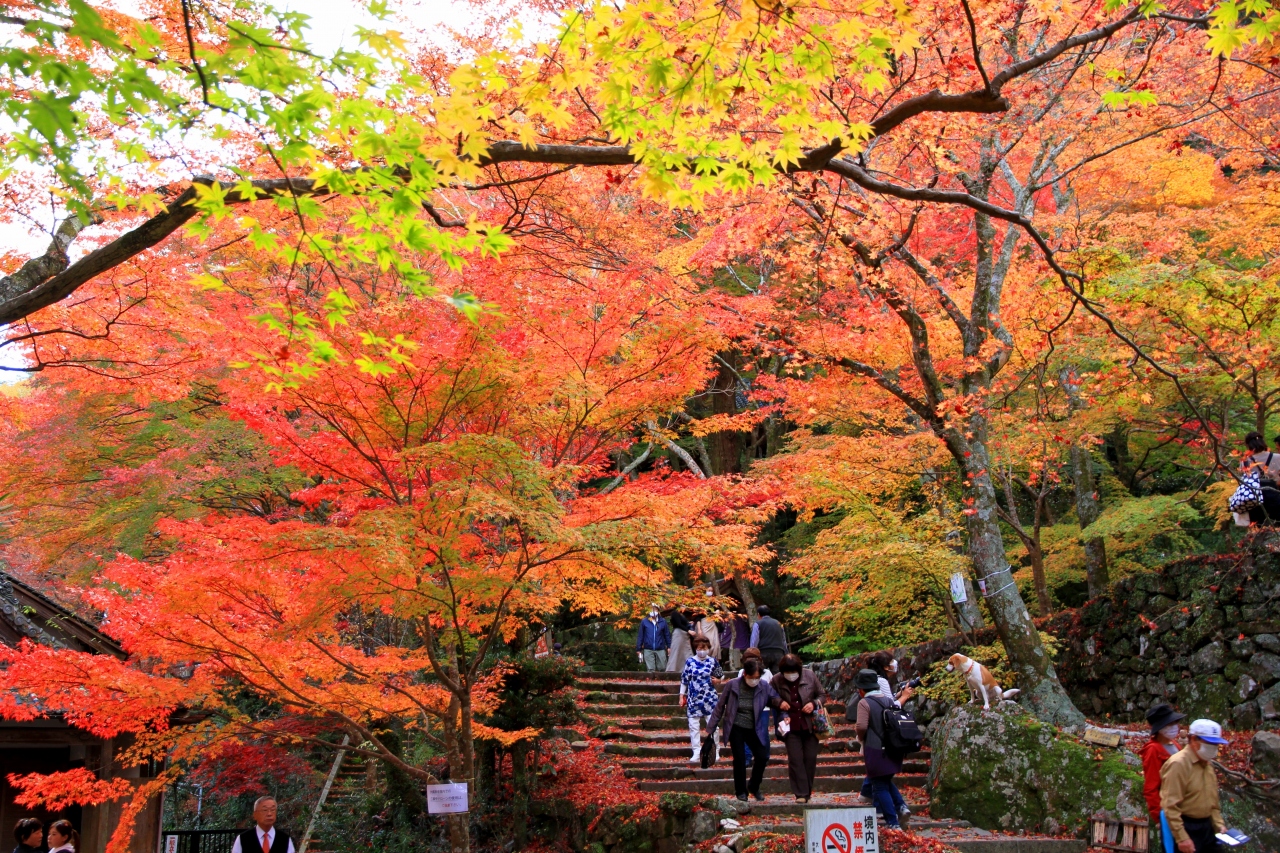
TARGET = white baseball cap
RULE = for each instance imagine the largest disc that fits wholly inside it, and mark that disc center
(1208, 731)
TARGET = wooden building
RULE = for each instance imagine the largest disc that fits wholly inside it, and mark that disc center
(47, 745)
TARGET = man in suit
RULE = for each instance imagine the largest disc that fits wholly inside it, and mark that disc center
(263, 837)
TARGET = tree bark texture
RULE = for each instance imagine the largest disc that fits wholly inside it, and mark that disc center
(1041, 690)
(725, 448)
(1087, 508)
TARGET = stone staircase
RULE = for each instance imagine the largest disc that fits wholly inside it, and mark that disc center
(346, 799)
(639, 716)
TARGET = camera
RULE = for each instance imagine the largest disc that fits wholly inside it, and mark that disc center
(915, 682)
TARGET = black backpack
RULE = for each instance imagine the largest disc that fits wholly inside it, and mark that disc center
(899, 733)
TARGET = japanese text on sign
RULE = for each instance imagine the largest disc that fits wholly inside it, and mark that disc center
(840, 831)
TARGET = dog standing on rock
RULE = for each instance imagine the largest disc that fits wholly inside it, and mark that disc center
(981, 683)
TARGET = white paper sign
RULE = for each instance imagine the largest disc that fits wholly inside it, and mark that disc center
(447, 799)
(841, 831)
(171, 844)
(958, 593)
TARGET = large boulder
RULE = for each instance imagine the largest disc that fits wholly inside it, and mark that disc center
(1264, 755)
(1004, 769)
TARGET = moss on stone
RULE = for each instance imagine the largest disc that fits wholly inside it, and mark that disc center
(1258, 818)
(1003, 769)
(681, 805)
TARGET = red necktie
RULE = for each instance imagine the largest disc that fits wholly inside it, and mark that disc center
(266, 843)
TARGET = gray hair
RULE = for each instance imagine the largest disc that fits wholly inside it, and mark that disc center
(261, 800)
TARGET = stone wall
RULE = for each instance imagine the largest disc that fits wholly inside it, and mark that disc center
(1202, 634)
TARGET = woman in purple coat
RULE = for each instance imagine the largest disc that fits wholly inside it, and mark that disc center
(741, 715)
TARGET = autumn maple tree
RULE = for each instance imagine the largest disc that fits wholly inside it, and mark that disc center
(386, 353)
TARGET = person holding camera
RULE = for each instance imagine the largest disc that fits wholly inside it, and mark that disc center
(802, 695)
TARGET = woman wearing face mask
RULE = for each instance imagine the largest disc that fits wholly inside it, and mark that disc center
(698, 692)
(801, 695)
(1163, 743)
(740, 715)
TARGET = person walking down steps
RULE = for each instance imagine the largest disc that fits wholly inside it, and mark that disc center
(768, 636)
(740, 716)
(801, 695)
(698, 693)
(882, 764)
(653, 640)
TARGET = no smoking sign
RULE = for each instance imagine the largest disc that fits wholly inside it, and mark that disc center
(841, 831)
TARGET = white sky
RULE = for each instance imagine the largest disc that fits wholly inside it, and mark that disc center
(333, 25)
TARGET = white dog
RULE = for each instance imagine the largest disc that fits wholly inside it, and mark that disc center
(981, 683)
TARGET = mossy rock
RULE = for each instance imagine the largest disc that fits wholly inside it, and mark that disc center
(1257, 817)
(681, 805)
(1204, 696)
(1004, 769)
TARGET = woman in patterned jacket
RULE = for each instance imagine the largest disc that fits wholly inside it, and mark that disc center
(698, 692)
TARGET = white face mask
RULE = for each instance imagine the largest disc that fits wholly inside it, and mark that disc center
(893, 666)
(703, 653)
(710, 594)
(1207, 751)
(791, 676)
(653, 613)
(751, 682)
(1171, 732)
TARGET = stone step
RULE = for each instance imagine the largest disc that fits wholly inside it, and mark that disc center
(654, 735)
(1008, 844)
(605, 697)
(678, 750)
(832, 785)
(954, 834)
(623, 675)
(796, 827)
(785, 807)
(724, 770)
(614, 686)
(672, 711)
(921, 757)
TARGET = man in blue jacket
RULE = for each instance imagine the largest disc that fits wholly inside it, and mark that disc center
(653, 641)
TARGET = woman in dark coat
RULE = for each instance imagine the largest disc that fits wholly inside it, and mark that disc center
(740, 712)
(801, 695)
(29, 833)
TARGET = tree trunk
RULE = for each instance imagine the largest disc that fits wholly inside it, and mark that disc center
(1095, 549)
(970, 610)
(748, 600)
(725, 448)
(1037, 577)
(1042, 693)
(520, 789)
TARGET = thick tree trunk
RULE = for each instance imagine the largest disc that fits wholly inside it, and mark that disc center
(1042, 693)
(970, 610)
(1095, 550)
(748, 600)
(725, 448)
(1043, 600)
